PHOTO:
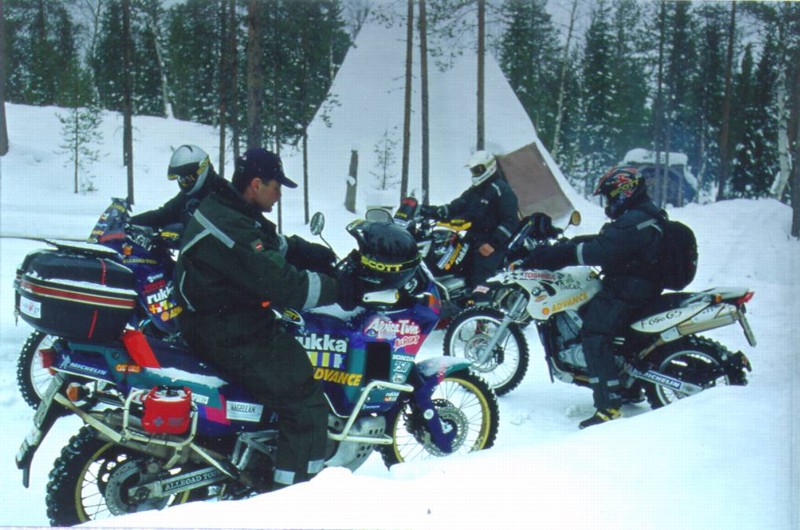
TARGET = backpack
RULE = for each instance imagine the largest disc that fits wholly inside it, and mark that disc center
(677, 257)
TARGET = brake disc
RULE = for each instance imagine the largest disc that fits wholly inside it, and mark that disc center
(122, 479)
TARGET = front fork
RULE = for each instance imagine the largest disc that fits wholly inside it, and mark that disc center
(425, 378)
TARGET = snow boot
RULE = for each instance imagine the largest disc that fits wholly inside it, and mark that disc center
(601, 416)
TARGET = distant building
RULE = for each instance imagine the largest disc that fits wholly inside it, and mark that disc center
(681, 185)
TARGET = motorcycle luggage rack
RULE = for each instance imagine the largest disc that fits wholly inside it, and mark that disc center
(127, 433)
(344, 436)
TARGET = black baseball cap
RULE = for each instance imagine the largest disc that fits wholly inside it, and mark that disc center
(258, 162)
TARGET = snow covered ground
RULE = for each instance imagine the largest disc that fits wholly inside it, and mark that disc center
(727, 458)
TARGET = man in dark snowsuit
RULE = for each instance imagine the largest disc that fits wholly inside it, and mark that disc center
(192, 168)
(626, 249)
(233, 269)
(491, 206)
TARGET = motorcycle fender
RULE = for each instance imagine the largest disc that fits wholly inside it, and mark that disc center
(44, 419)
(441, 366)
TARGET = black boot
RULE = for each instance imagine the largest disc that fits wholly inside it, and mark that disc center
(601, 416)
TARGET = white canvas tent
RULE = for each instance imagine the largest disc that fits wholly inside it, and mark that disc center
(368, 93)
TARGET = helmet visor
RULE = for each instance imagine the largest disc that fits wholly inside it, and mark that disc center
(478, 170)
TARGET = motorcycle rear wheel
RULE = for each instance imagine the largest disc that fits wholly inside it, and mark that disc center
(32, 377)
(468, 333)
(694, 359)
(464, 401)
(79, 489)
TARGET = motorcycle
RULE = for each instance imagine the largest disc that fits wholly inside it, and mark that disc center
(659, 353)
(146, 252)
(443, 246)
(162, 428)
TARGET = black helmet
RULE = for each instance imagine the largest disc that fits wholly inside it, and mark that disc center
(387, 254)
(189, 166)
(619, 186)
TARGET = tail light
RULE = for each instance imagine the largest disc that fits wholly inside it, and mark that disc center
(746, 298)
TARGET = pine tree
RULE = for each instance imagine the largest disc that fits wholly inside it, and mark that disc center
(528, 55)
(192, 58)
(81, 135)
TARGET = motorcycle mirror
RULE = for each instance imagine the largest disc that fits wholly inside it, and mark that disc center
(378, 214)
(317, 223)
(575, 218)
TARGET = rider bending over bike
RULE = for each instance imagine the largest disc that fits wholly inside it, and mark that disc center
(491, 206)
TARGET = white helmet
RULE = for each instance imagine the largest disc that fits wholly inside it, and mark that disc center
(189, 166)
(482, 165)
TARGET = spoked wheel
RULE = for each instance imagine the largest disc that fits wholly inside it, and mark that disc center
(32, 377)
(695, 360)
(465, 403)
(91, 480)
(470, 333)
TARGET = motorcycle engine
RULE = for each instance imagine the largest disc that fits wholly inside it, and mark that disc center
(570, 350)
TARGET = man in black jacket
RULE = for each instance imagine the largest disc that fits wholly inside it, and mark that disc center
(491, 206)
(233, 270)
(626, 249)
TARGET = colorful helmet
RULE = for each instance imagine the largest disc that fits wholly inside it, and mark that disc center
(618, 187)
(482, 165)
(189, 166)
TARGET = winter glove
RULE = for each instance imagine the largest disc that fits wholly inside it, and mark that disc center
(542, 226)
(431, 212)
(551, 257)
(349, 290)
(312, 256)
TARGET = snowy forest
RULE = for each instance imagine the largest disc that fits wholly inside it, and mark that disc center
(716, 81)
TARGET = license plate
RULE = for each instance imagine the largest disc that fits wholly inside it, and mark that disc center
(47, 399)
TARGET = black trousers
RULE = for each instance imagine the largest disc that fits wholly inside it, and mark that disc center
(607, 315)
(276, 371)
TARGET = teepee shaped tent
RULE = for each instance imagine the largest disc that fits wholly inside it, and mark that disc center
(365, 105)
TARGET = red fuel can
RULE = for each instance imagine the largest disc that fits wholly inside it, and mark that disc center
(167, 410)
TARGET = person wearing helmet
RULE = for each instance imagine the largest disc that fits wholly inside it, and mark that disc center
(191, 167)
(233, 269)
(626, 249)
(492, 208)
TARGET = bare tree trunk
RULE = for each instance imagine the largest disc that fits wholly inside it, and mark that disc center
(224, 80)
(127, 128)
(153, 25)
(796, 169)
(782, 178)
(3, 126)
(423, 65)
(562, 82)
(352, 183)
(658, 137)
(255, 76)
(724, 135)
(481, 75)
(407, 102)
(234, 81)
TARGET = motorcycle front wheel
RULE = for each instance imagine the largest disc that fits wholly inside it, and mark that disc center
(696, 360)
(467, 337)
(464, 402)
(32, 377)
(91, 479)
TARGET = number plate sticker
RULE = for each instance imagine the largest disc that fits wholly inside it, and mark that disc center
(47, 399)
(30, 307)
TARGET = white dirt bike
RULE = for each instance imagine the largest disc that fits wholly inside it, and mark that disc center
(660, 353)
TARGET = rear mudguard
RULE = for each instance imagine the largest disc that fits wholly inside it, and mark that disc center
(425, 377)
(46, 415)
